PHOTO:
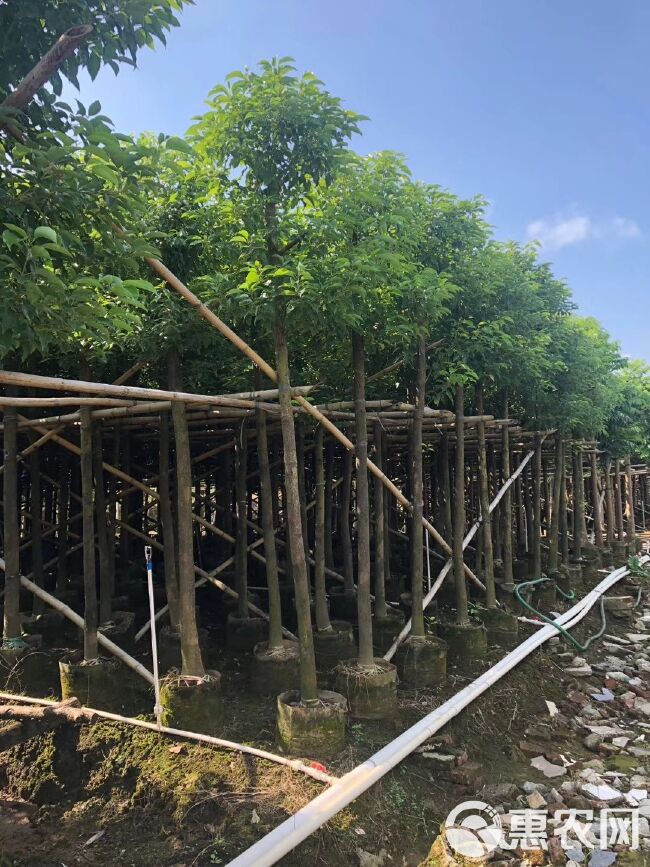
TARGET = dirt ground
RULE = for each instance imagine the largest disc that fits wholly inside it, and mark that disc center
(108, 794)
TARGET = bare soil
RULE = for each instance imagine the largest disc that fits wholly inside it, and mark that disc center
(112, 795)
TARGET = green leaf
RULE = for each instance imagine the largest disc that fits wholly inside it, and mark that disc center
(105, 172)
(94, 107)
(175, 143)
(17, 230)
(39, 252)
(45, 232)
(10, 238)
(94, 62)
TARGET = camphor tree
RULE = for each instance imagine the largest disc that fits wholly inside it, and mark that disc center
(268, 138)
(360, 259)
(65, 178)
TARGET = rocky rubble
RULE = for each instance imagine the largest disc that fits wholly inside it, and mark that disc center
(589, 756)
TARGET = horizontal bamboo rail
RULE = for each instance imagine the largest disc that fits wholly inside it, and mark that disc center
(32, 380)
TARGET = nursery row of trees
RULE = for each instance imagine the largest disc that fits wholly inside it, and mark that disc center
(354, 277)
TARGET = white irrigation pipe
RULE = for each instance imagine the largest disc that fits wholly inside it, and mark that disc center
(297, 828)
(447, 567)
(294, 764)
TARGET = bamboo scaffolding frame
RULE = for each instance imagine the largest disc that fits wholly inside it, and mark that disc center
(32, 380)
(210, 317)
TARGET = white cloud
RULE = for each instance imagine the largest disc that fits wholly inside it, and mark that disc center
(559, 233)
(626, 228)
(552, 234)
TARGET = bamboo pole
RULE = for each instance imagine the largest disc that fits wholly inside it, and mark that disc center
(210, 317)
(32, 380)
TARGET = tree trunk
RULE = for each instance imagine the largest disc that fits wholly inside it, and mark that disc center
(192, 662)
(484, 497)
(127, 507)
(366, 653)
(270, 551)
(507, 501)
(595, 501)
(563, 516)
(322, 612)
(11, 530)
(537, 509)
(578, 502)
(302, 486)
(387, 510)
(344, 521)
(63, 520)
(241, 543)
(629, 498)
(36, 511)
(618, 500)
(553, 536)
(417, 573)
(105, 586)
(88, 518)
(445, 486)
(308, 684)
(378, 491)
(462, 614)
(547, 487)
(329, 504)
(609, 501)
(167, 525)
(528, 507)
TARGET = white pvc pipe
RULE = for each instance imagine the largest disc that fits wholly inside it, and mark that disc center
(297, 828)
(181, 733)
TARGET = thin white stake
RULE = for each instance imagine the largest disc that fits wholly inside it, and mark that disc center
(154, 643)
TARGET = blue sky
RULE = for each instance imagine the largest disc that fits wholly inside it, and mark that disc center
(541, 106)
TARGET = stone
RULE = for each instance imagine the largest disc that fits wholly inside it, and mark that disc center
(602, 793)
(468, 775)
(536, 801)
(367, 859)
(593, 741)
(547, 768)
(530, 749)
(556, 852)
(605, 695)
(619, 676)
(529, 787)
(499, 792)
(579, 671)
(602, 858)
